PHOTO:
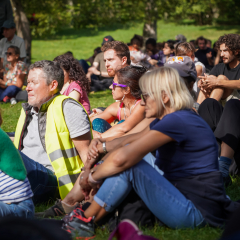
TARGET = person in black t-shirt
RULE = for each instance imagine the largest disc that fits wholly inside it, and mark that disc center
(217, 84)
(204, 54)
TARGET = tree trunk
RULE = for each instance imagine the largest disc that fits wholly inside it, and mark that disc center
(22, 26)
(150, 23)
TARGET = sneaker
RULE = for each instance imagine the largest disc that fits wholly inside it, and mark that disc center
(78, 225)
(6, 99)
(55, 211)
(13, 101)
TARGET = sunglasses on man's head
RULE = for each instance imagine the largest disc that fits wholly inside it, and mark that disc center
(9, 53)
(117, 85)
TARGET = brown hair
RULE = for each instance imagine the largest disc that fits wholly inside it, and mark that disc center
(184, 48)
(200, 38)
(120, 48)
(232, 42)
(130, 76)
(74, 69)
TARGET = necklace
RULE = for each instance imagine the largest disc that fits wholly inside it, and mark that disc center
(130, 109)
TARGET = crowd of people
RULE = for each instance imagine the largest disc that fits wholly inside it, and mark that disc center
(171, 135)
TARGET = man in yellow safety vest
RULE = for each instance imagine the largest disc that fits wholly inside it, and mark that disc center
(53, 133)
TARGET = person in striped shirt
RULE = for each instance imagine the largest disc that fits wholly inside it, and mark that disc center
(15, 189)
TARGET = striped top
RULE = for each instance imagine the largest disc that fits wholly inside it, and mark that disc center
(13, 190)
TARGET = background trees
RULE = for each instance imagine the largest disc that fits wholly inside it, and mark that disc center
(41, 18)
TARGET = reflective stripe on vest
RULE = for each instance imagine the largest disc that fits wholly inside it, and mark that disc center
(59, 146)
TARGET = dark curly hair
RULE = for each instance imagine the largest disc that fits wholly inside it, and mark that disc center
(74, 69)
(130, 76)
(232, 42)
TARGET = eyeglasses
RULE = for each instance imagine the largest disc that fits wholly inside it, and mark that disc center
(117, 85)
(144, 97)
(9, 53)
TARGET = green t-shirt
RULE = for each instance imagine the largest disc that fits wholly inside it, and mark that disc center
(11, 162)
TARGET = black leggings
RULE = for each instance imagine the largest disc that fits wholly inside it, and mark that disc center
(225, 123)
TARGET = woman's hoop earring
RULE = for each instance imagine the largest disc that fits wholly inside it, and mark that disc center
(123, 97)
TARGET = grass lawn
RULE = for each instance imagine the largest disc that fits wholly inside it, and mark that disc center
(10, 116)
(83, 42)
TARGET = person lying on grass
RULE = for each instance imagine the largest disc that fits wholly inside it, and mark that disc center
(127, 110)
(190, 193)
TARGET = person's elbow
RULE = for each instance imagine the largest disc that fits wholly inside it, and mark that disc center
(120, 160)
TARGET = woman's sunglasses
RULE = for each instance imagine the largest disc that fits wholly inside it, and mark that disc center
(117, 85)
(8, 53)
(144, 97)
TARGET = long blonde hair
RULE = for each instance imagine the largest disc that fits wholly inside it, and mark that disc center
(166, 80)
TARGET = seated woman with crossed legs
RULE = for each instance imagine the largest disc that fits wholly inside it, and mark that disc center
(126, 110)
(190, 193)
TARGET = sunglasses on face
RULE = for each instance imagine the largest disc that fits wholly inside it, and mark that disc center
(9, 53)
(144, 97)
(117, 85)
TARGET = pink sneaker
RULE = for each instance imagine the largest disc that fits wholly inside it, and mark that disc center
(6, 99)
(128, 230)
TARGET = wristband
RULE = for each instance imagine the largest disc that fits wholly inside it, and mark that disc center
(6, 83)
(104, 147)
(91, 180)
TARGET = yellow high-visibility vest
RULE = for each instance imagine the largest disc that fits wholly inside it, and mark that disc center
(60, 149)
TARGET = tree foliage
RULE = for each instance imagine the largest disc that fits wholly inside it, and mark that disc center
(51, 15)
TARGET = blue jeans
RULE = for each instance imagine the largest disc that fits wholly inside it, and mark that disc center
(167, 203)
(23, 209)
(42, 180)
(10, 91)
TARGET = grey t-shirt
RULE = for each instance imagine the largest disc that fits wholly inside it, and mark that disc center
(76, 121)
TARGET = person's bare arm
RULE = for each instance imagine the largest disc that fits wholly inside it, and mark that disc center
(94, 70)
(120, 129)
(217, 59)
(1, 64)
(20, 80)
(109, 114)
(129, 155)
(3, 82)
(96, 146)
(75, 95)
(82, 143)
(209, 58)
(223, 82)
(199, 69)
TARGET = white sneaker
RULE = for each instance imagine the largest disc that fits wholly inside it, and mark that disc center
(13, 101)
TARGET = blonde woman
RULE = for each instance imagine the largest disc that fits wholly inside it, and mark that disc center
(190, 193)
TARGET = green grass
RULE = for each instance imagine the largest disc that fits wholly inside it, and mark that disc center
(82, 42)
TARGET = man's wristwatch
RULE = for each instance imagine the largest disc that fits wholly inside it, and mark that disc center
(104, 147)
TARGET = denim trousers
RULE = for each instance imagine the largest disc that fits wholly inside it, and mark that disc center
(24, 209)
(42, 180)
(165, 201)
(10, 91)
